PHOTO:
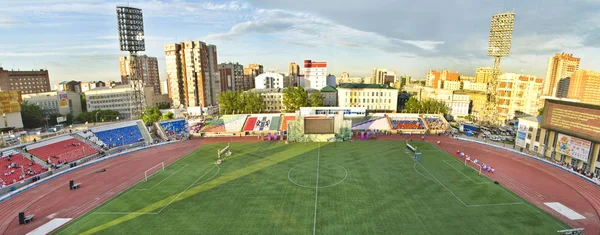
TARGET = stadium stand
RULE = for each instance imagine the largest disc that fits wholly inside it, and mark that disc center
(380, 123)
(406, 123)
(15, 173)
(285, 120)
(88, 135)
(275, 123)
(435, 122)
(120, 136)
(250, 123)
(234, 123)
(263, 122)
(62, 149)
(174, 127)
(214, 125)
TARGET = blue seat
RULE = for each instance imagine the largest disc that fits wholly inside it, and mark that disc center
(120, 136)
(175, 127)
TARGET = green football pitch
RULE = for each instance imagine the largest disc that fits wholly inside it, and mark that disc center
(363, 187)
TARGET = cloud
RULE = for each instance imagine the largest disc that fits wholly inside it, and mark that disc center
(6, 21)
(308, 29)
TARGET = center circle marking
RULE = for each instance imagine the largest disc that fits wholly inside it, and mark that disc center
(326, 186)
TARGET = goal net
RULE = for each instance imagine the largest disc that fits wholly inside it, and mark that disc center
(152, 170)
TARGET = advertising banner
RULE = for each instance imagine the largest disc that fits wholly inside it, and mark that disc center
(62, 99)
(573, 147)
(61, 119)
(521, 135)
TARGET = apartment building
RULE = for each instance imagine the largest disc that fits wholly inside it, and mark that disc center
(250, 72)
(373, 97)
(584, 85)
(315, 75)
(192, 74)
(518, 93)
(28, 82)
(561, 65)
(232, 76)
(270, 81)
(146, 69)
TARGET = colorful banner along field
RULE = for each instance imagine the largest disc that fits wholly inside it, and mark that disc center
(573, 147)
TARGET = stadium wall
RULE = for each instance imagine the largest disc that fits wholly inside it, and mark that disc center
(566, 133)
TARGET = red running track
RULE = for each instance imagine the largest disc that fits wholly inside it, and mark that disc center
(535, 181)
(53, 199)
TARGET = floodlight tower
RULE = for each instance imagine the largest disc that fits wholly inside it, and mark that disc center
(131, 39)
(501, 30)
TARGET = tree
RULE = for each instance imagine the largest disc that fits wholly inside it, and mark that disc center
(98, 115)
(540, 112)
(425, 106)
(167, 116)
(231, 102)
(31, 115)
(151, 115)
(316, 99)
(294, 98)
(83, 103)
(163, 106)
(412, 105)
(254, 102)
(228, 102)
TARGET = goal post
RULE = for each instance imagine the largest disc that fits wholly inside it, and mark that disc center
(225, 152)
(575, 231)
(152, 170)
(415, 151)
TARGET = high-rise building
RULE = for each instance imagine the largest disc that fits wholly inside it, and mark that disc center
(483, 74)
(294, 69)
(561, 65)
(164, 88)
(27, 82)
(250, 72)
(403, 80)
(192, 74)
(562, 91)
(436, 79)
(315, 75)
(585, 86)
(518, 93)
(147, 69)
(232, 76)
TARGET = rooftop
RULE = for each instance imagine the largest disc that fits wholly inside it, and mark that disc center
(365, 86)
(328, 89)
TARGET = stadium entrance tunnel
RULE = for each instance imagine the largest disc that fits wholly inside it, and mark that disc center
(305, 174)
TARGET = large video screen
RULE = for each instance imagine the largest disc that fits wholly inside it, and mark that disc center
(576, 119)
(318, 125)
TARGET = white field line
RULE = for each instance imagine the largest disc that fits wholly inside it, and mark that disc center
(162, 180)
(446, 161)
(461, 201)
(189, 187)
(316, 190)
(156, 213)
